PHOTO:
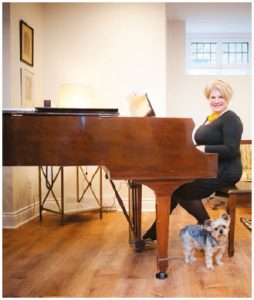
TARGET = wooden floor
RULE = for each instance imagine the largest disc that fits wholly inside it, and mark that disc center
(89, 257)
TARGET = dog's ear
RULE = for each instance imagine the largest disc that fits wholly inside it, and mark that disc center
(207, 224)
(225, 217)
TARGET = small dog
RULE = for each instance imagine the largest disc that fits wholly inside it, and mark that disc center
(210, 237)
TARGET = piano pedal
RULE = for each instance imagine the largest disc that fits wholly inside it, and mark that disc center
(139, 245)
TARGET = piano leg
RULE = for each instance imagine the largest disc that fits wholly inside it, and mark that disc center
(135, 208)
(162, 224)
(163, 191)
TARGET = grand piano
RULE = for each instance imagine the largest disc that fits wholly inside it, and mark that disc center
(152, 151)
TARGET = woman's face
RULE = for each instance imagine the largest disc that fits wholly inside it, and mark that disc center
(217, 101)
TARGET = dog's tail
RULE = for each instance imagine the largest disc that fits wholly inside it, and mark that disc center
(182, 232)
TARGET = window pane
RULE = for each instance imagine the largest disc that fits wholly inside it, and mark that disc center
(231, 58)
(213, 47)
(231, 47)
(207, 47)
(245, 58)
(200, 58)
(225, 47)
(238, 47)
(200, 48)
(245, 47)
(206, 58)
(225, 58)
(238, 58)
(193, 47)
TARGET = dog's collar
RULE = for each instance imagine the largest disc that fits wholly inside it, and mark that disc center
(217, 243)
(221, 244)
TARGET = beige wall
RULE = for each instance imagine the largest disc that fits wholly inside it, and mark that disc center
(115, 48)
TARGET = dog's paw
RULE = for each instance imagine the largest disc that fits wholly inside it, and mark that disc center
(193, 259)
(219, 262)
(210, 267)
(187, 261)
(190, 260)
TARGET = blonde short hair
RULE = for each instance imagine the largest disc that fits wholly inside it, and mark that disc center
(224, 88)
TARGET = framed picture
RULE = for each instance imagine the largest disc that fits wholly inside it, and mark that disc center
(27, 88)
(26, 43)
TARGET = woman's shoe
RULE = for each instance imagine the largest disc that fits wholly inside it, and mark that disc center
(149, 244)
(151, 233)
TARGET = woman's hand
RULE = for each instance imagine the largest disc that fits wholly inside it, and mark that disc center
(201, 148)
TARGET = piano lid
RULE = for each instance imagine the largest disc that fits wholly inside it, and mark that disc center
(65, 111)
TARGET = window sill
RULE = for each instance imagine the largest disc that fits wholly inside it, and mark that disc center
(217, 72)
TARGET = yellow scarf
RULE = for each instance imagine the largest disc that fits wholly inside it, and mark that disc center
(213, 117)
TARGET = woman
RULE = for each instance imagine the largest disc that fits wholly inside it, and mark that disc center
(220, 133)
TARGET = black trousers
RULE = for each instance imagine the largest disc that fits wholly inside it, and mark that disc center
(190, 196)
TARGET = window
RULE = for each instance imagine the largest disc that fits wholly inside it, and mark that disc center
(235, 53)
(213, 54)
(203, 53)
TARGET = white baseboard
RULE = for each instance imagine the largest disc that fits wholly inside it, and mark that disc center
(15, 219)
(12, 220)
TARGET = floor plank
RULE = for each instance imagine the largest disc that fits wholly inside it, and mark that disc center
(89, 257)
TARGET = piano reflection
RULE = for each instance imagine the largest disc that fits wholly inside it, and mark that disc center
(156, 152)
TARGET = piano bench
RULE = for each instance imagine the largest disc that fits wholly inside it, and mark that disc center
(234, 195)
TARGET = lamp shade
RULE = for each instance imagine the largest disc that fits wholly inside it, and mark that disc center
(75, 96)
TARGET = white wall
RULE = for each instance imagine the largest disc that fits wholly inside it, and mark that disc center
(6, 67)
(32, 14)
(185, 92)
(115, 48)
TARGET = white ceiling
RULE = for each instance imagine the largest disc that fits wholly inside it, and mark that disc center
(212, 17)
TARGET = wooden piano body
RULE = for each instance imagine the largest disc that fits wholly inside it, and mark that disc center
(156, 152)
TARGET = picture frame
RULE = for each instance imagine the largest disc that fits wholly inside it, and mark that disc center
(26, 43)
(27, 88)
